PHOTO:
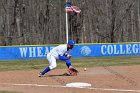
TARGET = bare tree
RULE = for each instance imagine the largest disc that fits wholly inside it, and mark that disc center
(43, 21)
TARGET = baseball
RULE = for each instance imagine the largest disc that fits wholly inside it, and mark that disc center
(85, 69)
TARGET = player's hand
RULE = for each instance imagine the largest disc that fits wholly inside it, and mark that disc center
(69, 56)
(72, 71)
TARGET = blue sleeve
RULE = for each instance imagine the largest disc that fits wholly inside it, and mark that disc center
(67, 60)
(63, 58)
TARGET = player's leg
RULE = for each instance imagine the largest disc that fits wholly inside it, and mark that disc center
(52, 62)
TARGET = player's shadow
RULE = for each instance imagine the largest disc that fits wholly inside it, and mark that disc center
(65, 74)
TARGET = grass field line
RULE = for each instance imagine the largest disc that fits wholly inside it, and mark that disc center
(62, 86)
(39, 64)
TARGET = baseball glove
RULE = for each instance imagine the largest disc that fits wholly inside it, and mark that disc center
(73, 71)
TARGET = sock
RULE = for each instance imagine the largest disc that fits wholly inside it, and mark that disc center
(46, 70)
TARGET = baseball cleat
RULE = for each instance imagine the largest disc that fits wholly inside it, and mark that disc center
(40, 74)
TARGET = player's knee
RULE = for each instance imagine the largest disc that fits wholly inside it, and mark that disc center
(53, 66)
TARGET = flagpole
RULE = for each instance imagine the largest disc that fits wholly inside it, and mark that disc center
(67, 36)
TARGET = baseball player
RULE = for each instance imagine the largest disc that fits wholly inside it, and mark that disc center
(61, 52)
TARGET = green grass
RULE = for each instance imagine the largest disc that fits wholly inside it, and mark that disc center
(79, 62)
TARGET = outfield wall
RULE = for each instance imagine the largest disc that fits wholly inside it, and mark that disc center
(79, 50)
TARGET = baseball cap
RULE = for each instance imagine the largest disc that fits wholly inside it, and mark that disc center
(71, 42)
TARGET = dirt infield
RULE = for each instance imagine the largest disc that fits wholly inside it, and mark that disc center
(115, 79)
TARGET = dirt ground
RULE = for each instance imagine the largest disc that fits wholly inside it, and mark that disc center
(115, 79)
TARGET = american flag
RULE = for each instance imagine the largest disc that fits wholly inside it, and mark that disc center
(70, 8)
(76, 9)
